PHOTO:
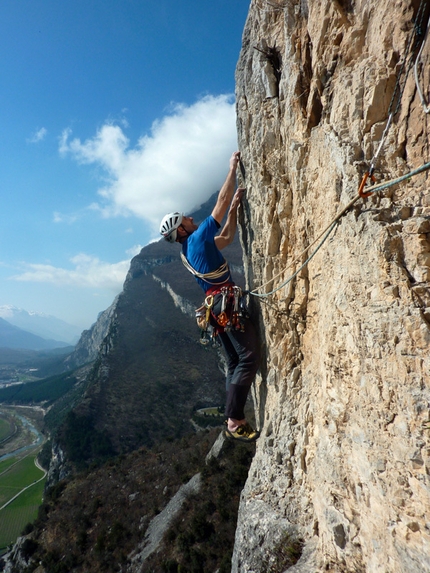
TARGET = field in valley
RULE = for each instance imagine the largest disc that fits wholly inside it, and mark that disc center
(21, 479)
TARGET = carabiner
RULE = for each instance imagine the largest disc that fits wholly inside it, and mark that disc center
(362, 193)
(209, 302)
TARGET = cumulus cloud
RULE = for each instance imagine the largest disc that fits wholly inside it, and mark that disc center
(175, 167)
(39, 135)
(87, 271)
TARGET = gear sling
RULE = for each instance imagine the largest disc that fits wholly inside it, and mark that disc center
(232, 311)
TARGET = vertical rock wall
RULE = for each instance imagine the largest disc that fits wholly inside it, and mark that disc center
(343, 461)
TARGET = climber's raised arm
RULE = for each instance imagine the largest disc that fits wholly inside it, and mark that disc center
(227, 190)
(229, 230)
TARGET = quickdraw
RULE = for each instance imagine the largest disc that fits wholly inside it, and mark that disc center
(362, 193)
(222, 318)
(393, 108)
(399, 88)
(231, 315)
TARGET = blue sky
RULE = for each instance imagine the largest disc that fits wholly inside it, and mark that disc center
(113, 112)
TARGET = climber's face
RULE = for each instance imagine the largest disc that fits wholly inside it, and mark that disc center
(189, 225)
(186, 228)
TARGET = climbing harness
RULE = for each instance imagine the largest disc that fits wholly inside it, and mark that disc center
(231, 315)
(233, 308)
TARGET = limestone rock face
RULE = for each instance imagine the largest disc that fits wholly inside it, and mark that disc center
(343, 461)
(88, 346)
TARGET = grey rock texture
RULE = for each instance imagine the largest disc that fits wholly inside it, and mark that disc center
(161, 523)
(343, 461)
(88, 346)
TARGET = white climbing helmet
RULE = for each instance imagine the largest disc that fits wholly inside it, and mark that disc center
(169, 225)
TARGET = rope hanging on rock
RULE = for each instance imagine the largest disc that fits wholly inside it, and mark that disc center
(426, 108)
(398, 91)
(376, 187)
(327, 231)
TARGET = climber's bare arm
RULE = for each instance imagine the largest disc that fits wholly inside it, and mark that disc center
(229, 230)
(227, 190)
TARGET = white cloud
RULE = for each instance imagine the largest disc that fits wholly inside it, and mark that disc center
(176, 167)
(88, 271)
(134, 250)
(39, 135)
(60, 218)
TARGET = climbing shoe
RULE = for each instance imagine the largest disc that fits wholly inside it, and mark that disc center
(244, 433)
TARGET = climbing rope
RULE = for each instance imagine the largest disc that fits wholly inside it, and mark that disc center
(426, 107)
(393, 108)
(263, 295)
(327, 231)
(398, 91)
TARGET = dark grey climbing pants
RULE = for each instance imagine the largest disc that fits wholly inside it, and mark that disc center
(243, 356)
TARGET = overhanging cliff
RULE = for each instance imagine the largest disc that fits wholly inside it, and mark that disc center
(343, 461)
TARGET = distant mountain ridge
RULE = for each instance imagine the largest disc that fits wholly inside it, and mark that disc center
(142, 375)
(40, 324)
(88, 346)
(13, 337)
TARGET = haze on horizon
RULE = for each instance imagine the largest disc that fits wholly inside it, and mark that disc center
(113, 116)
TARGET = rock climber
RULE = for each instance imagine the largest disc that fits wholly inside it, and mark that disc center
(201, 246)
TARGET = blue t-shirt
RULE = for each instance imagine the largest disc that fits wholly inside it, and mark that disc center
(203, 255)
